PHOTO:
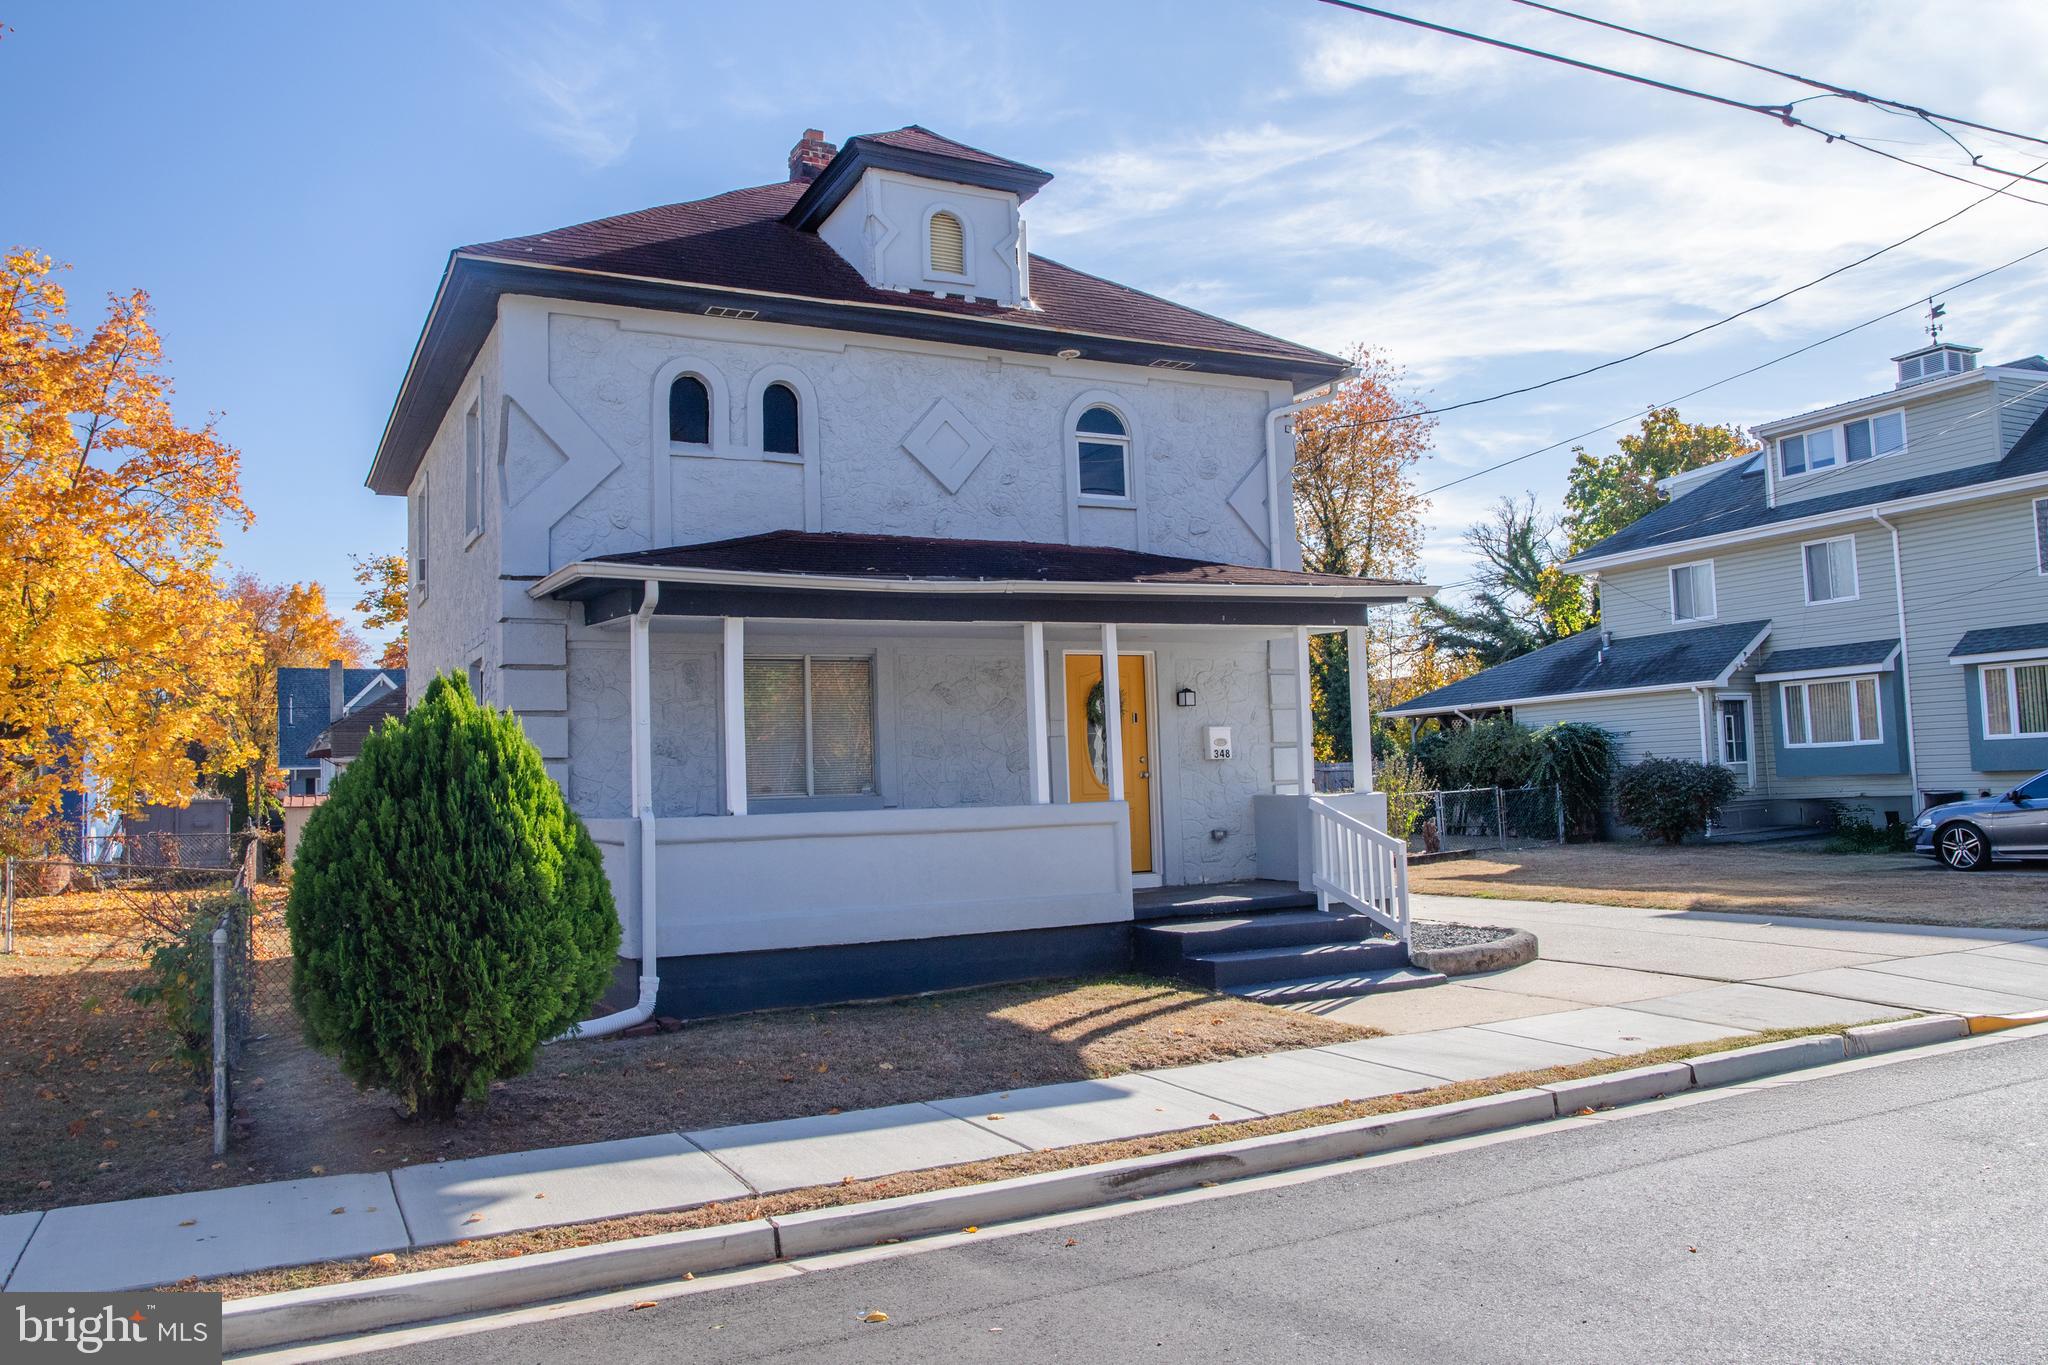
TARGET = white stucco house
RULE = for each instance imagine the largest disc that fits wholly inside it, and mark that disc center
(795, 524)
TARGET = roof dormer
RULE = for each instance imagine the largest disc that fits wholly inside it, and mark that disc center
(1937, 361)
(920, 213)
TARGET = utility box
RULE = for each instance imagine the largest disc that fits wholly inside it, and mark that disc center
(1218, 741)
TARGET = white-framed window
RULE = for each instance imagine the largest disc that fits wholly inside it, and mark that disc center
(476, 678)
(2041, 534)
(1832, 712)
(781, 420)
(945, 245)
(1830, 570)
(689, 411)
(2015, 700)
(810, 725)
(421, 521)
(1866, 438)
(1692, 591)
(1103, 445)
(473, 470)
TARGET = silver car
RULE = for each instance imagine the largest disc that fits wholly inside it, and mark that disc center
(1968, 835)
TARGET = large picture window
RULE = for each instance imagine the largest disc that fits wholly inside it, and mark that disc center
(810, 726)
(1831, 712)
(2015, 700)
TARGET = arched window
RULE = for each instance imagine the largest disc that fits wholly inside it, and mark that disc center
(779, 420)
(949, 245)
(1105, 450)
(689, 411)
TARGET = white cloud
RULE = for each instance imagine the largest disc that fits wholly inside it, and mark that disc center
(582, 78)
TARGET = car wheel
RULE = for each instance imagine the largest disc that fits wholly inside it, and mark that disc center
(1962, 847)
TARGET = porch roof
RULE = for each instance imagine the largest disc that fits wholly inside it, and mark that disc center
(843, 575)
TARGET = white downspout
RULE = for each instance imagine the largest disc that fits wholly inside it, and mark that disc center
(1273, 420)
(1905, 658)
(640, 683)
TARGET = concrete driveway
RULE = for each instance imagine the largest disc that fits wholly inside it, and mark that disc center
(1747, 971)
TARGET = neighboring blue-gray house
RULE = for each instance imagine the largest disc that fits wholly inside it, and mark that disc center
(308, 701)
(1857, 612)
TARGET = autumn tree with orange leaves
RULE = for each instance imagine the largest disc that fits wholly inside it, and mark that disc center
(1357, 512)
(384, 579)
(290, 627)
(116, 641)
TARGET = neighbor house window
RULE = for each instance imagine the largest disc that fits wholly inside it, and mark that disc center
(1866, 438)
(689, 411)
(1803, 454)
(810, 726)
(473, 470)
(779, 425)
(1831, 570)
(1869, 437)
(1831, 712)
(1692, 592)
(1105, 454)
(2015, 700)
(948, 245)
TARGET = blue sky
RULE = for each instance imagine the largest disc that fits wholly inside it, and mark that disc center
(286, 181)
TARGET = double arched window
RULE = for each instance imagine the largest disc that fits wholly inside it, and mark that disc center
(781, 431)
(689, 411)
(1103, 442)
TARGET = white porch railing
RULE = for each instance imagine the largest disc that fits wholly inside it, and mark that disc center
(1364, 867)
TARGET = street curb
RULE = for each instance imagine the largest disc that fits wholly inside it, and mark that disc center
(304, 1315)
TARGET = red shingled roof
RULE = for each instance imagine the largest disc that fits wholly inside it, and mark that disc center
(917, 138)
(738, 240)
(844, 554)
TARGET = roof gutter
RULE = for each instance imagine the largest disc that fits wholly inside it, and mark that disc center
(1905, 656)
(1273, 420)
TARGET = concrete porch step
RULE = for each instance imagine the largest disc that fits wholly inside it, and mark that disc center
(1213, 899)
(1294, 962)
(1163, 945)
(1333, 987)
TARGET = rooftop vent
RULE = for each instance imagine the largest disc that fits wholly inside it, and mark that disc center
(811, 155)
(1935, 361)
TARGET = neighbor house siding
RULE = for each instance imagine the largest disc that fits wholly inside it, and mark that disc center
(1648, 725)
(1765, 582)
(2022, 398)
(1966, 567)
(1953, 430)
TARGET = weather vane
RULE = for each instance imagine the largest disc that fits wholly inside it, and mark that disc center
(1935, 313)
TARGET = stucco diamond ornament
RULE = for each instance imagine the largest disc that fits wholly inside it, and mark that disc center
(949, 446)
(1248, 500)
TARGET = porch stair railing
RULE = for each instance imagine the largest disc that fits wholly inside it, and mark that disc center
(1365, 868)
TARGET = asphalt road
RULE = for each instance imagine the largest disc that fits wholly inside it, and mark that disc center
(1896, 1213)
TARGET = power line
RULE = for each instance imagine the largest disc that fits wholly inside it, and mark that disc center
(1845, 92)
(1740, 374)
(1782, 113)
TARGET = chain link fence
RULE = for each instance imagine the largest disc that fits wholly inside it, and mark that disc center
(1474, 818)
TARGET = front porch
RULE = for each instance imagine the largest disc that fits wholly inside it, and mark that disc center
(851, 798)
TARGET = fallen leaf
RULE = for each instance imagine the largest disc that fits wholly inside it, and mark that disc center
(1072, 1242)
(995, 1118)
(189, 1222)
(970, 1228)
(540, 1196)
(1215, 1118)
(689, 1274)
(474, 1218)
(339, 1210)
(874, 1315)
(384, 1258)
(319, 1170)
(644, 1303)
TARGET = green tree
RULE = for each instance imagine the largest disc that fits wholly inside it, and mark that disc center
(1607, 492)
(1522, 600)
(448, 912)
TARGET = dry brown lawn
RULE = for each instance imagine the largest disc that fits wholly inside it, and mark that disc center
(120, 1120)
(1792, 879)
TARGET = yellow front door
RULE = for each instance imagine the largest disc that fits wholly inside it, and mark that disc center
(1088, 743)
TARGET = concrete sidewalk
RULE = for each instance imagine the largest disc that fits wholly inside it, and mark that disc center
(1611, 982)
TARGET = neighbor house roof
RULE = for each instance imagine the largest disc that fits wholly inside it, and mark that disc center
(1737, 500)
(1574, 667)
(1876, 654)
(302, 706)
(2001, 640)
(343, 739)
(739, 249)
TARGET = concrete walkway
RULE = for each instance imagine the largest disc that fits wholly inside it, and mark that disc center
(1612, 981)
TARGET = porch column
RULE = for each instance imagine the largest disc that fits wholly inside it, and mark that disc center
(1304, 714)
(1112, 711)
(1361, 709)
(733, 707)
(1034, 713)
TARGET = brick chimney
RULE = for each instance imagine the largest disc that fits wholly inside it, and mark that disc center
(336, 697)
(811, 155)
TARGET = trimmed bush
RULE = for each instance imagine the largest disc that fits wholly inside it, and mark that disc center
(1669, 798)
(1577, 759)
(448, 912)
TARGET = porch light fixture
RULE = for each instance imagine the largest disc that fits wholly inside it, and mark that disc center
(1184, 697)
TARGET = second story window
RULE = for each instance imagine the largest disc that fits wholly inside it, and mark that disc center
(1807, 453)
(1692, 591)
(473, 470)
(1866, 438)
(948, 245)
(420, 524)
(1105, 454)
(779, 425)
(1830, 570)
(689, 411)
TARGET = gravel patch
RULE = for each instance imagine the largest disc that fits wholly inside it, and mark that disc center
(1428, 934)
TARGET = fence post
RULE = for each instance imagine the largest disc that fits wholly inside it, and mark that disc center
(220, 1040)
(1560, 812)
(1500, 814)
(7, 913)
